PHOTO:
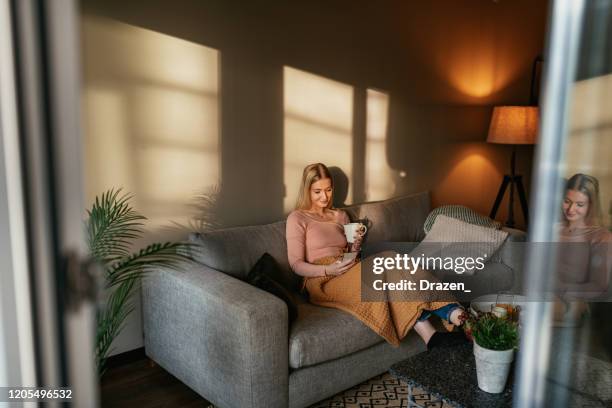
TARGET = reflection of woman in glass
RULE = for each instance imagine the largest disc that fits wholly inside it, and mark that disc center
(315, 244)
(584, 257)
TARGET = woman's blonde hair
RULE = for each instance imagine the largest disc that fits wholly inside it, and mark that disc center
(589, 186)
(312, 173)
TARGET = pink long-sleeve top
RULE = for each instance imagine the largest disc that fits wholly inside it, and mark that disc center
(309, 239)
(584, 261)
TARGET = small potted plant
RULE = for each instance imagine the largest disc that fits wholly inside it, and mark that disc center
(495, 339)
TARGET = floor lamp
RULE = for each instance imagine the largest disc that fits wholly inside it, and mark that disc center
(513, 125)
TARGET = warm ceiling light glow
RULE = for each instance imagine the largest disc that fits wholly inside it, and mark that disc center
(513, 125)
(476, 72)
(475, 59)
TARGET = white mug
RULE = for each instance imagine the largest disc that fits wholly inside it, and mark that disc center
(351, 229)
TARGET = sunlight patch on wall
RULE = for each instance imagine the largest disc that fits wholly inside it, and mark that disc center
(151, 117)
(131, 52)
(107, 141)
(318, 127)
(168, 190)
(379, 182)
(176, 117)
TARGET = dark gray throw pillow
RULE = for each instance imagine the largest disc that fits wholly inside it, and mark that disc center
(267, 275)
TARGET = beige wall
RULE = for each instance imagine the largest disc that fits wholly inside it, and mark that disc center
(417, 79)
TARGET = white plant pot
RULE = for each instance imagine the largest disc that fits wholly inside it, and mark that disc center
(492, 368)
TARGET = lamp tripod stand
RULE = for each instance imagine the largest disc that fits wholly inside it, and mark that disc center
(515, 125)
(511, 180)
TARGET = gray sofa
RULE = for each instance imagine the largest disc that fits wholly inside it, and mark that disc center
(231, 342)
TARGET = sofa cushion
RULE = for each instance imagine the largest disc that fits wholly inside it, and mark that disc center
(266, 275)
(321, 334)
(397, 219)
(453, 238)
(235, 250)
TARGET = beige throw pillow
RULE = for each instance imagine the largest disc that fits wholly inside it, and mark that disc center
(453, 238)
(462, 213)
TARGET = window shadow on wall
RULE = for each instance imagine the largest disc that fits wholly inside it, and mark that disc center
(318, 127)
(151, 117)
(379, 176)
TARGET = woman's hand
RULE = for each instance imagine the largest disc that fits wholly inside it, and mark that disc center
(339, 267)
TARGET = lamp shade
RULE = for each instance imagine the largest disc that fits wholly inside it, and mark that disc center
(514, 125)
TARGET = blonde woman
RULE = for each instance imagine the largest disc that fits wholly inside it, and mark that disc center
(315, 244)
(584, 255)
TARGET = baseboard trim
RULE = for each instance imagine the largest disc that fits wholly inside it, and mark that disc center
(126, 358)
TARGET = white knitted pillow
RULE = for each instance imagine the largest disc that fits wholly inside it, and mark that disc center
(462, 213)
(450, 237)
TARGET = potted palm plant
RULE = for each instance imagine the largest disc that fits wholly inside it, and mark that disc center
(112, 227)
(495, 339)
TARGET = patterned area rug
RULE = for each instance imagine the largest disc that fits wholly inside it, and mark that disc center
(378, 392)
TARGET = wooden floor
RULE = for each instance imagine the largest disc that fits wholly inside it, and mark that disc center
(141, 385)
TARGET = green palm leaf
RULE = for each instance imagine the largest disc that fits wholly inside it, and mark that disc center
(111, 321)
(112, 226)
(171, 255)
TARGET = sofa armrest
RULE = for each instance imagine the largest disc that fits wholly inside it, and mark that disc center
(224, 338)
